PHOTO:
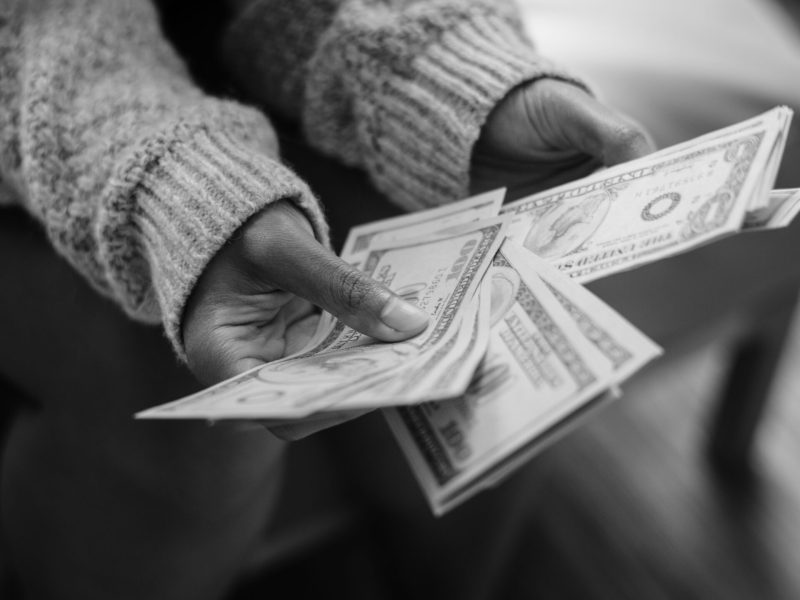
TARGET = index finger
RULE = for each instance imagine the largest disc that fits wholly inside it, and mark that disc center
(596, 129)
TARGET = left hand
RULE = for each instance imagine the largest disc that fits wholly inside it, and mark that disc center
(549, 132)
(253, 303)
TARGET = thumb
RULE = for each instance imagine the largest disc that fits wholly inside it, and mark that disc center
(353, 297)
(299, 264)
(578, 120)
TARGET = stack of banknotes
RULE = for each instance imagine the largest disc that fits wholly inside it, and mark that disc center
(517, 350)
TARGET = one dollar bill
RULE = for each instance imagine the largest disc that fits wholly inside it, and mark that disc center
(656, 206)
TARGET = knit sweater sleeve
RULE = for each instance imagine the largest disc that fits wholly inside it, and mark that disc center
(137, 177)
(400, 88)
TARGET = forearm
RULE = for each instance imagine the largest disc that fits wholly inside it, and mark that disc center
(137, 177)
(401, 89)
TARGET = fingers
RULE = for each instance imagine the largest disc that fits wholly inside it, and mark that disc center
(571, 118)
(295, 261)
(251, 303)
(300, 333)
(350, 295)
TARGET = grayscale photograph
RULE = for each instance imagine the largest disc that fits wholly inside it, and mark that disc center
(399, 299)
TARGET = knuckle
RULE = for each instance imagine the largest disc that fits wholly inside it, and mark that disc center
(353, 288)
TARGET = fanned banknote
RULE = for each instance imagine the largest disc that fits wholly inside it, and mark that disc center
(656, 206)
(362, 238)
(433, 223)
(445, 372)
(441, 273)
(517, 351)
(781, 209)
(554, 348)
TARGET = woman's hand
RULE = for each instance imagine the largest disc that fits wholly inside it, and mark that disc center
(550, 132)
(254, 302)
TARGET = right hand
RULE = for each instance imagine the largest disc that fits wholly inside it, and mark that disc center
(549, 132)
(255, 301)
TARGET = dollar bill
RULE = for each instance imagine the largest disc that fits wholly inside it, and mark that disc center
(450, 374)
(433, 222)
(780, 211)
(442, 274)
(517, 352)
(551, 353)
(655, 206)
(624, 347)
(777, 120)
(361, 239)
(445, 372)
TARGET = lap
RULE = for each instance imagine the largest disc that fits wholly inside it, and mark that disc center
(85, 368)
(64, 343)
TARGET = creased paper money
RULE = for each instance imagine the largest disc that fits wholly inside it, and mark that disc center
(440, 274)
(517, 352)
(553, 348)
(656, 206)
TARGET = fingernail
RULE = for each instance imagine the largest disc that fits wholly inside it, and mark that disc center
(403, 316)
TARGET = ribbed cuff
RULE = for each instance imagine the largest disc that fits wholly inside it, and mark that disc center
(416, 128)
(190, 201)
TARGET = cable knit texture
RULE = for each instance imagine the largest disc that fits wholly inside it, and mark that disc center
(400, 88)
(138, 177)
